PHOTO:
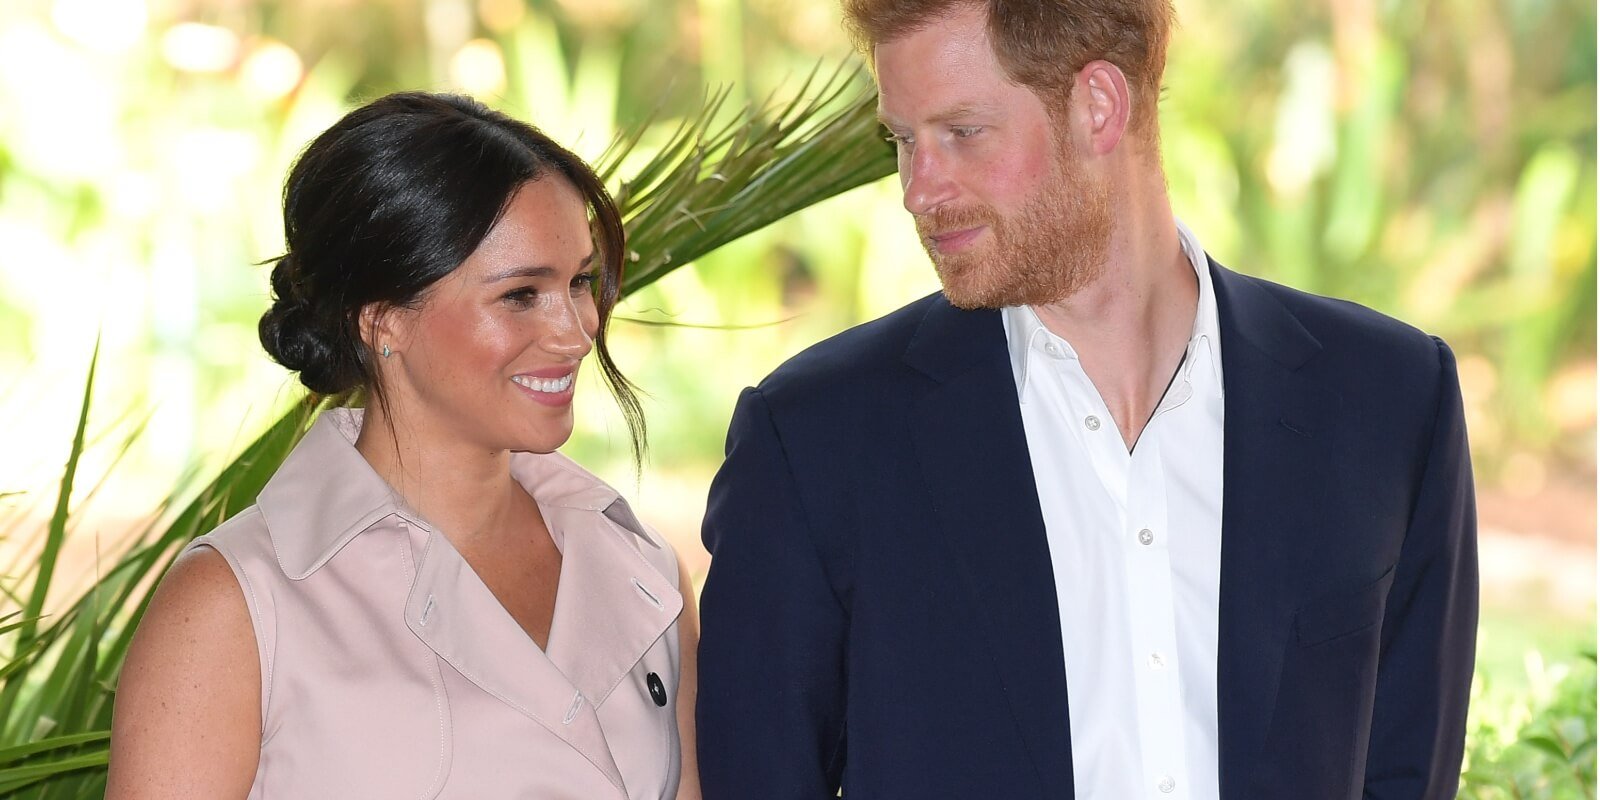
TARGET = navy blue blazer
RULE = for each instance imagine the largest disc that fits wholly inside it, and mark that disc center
(881, 613)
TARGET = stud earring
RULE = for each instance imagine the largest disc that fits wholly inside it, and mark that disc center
(387, 352)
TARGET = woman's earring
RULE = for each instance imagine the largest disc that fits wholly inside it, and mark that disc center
(387, 352)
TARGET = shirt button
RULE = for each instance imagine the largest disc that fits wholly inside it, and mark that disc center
(1146, 537)
(1167, 784)
(1156, 661)
(1091, 422)
(1052, 349)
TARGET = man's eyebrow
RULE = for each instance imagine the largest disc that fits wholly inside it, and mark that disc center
(964, 111)
(532, 271)
(960, 112)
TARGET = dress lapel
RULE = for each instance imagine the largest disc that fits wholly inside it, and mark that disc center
(1275, 441)
(974, 456)
(454, 613)
(613, 605)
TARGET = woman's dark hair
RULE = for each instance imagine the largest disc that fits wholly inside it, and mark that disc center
(391, 199)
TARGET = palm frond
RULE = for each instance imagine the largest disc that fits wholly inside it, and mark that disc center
(716, 181)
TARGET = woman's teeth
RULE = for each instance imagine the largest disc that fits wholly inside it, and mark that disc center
(547, 385)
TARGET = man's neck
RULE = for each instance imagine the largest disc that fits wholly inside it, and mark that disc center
(1131, 325)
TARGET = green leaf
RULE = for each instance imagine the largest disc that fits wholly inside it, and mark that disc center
(54, 539)
(1546, 745)
(14, 778)
(21, 751)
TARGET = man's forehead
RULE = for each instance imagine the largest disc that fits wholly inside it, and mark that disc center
(949, 61)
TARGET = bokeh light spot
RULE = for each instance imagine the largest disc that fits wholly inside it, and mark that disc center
(193, 47)
(479, 68)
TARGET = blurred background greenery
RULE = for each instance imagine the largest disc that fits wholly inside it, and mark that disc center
(1434, 159)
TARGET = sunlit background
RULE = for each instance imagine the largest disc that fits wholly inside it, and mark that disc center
(1434, 159)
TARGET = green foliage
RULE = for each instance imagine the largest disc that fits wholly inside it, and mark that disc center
(55, 708)
(1435, 161)
(726, 179)
(1539, 746)
(719, 178)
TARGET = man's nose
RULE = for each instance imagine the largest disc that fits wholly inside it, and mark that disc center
(926, 180)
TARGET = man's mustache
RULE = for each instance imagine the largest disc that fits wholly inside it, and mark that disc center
(951, 219)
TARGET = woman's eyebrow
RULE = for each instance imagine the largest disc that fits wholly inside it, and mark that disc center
(532, 271)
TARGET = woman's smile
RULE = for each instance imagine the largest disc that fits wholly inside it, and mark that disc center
(551, 391)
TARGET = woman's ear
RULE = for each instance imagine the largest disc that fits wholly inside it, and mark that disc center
(380, 330)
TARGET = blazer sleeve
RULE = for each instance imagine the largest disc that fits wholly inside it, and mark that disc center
(1430, 622)
(770, 717)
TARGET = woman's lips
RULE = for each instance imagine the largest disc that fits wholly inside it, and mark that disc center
(547, 389)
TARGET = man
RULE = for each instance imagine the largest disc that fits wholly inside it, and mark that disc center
(1103, 520)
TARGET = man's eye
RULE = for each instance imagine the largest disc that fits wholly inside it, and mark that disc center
(898, 140)
(965, 131)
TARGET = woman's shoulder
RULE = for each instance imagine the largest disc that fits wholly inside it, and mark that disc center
(242, 530)
(191, 674)
(202, 589)
(244, 543)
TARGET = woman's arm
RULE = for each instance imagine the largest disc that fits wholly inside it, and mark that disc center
(688, 681)
(188, 708)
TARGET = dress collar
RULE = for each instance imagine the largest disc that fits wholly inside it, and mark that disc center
(325, 494)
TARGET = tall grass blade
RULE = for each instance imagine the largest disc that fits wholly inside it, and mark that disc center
(15, 778)
(55, 537)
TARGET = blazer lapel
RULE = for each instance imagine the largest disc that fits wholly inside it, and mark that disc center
(1275, 439)
(974, 457)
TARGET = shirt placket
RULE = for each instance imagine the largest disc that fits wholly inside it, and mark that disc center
(1153, 644)
(1136, 483)
(1096, 431)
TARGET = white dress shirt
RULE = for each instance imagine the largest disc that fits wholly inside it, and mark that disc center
(1136, 545)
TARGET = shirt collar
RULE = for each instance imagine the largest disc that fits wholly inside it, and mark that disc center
(1026, 335)
(325, 494)
(1207, 329)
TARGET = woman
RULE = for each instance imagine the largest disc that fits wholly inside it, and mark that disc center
(426, 600)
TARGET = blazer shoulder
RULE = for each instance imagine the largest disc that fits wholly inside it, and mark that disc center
(850, 362)
(1346, 329)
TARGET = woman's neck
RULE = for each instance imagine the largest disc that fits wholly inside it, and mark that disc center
(465, 490)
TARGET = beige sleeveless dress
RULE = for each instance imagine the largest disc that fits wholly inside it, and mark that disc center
(389, 670)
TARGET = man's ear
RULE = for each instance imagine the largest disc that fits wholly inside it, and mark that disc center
(1104, 104)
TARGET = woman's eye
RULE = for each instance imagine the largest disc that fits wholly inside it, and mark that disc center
(520, 298)
(583, 282)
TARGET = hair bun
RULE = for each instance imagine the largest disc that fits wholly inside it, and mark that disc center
(314, 342)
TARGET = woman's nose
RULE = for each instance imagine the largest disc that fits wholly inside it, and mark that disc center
(568, 333)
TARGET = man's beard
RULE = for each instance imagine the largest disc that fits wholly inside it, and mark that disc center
(1054, 246)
